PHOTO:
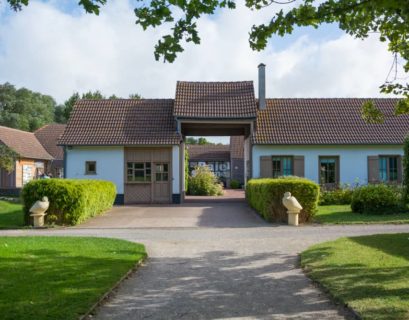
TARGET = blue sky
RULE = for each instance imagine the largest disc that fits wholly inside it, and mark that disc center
(55, 48)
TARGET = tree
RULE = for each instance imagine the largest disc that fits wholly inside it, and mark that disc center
(135, 96)
(7, 158)
(24, 109)
(201, 141)
(360, 18)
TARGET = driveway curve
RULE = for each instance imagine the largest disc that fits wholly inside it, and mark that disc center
(247, 272)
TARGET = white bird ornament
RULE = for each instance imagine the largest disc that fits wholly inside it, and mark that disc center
(291, 203)
(40, 206)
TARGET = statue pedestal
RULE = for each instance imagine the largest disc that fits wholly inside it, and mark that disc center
(293, 217)
(38, 219)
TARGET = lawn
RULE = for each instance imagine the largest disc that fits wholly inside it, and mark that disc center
(370, 274)
(342, 214)
(60, 277)
(11, 215)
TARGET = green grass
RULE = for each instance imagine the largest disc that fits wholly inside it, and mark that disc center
(370, 274)
(342, 214)
(11, 215)
(60, 277)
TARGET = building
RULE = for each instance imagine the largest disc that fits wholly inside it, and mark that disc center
(48, 136)
(226, 161)
(216, 157)
(33, 160)
(139, 144)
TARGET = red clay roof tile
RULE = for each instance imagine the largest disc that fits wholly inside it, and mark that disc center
(121, 122)
(229, 100)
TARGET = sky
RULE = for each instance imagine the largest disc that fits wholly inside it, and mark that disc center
(55, 48)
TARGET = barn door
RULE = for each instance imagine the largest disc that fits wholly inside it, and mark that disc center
(161, 182)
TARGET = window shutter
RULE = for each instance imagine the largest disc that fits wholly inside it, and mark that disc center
(400, 167)
(373, 169)
(299, 166)
(266, 167)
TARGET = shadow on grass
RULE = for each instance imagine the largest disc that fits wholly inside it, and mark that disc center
(219, 285)
(392, 244)
(57, 284)
(374, 291)
(12, 219)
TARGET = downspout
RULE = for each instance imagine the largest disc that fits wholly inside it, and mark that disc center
(65, 162)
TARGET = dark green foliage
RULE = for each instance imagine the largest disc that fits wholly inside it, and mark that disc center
(342, 195)
(7, 158)
(377, 199)
(24, 109)
(235, 184)
(405, 197)
(201, 141)
(204, 183)
(71, 201)
(265, 196)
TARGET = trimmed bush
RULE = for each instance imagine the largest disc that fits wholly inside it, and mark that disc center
(265, 196)
(405, 197)
(235, 184)
(377, 199)
(71, 201)
(337, 196)
(204, 183)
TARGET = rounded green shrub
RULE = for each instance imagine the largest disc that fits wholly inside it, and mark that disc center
(204, 183)
(265, 196)
(377, 199)
(235, 184)
(71, 200)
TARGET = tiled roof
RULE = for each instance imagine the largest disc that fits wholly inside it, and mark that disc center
(48, 137)
(121, 122)
(327, 121)
(229, 100)
(209, 152)
(24, 143)
(237, 147)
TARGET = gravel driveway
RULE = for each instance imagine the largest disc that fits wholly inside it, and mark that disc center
(240, 272)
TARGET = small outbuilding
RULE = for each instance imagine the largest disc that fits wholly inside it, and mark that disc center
(32, 162)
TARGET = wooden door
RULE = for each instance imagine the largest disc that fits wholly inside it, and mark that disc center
(161, 182)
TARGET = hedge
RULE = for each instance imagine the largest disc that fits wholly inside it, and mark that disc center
(71, 200)
(338, 196)
(265, 196)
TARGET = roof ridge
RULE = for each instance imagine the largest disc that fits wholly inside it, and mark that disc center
(242, 81)
(127, 99)
(336, 98)
(49, 124)
(17, 130)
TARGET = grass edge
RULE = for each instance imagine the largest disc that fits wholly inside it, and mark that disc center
(110, 292)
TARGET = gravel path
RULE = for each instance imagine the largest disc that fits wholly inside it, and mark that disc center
(221, 273)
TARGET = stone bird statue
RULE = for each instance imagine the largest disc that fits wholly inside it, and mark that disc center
(40, 206)
(291, 203)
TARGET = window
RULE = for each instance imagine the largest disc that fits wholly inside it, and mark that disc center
(388, 168)
(90, 167)
(162, 171)
(328, 170)
(282, 166)
(138, 171)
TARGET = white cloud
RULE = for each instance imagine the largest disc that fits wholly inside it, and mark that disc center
(53, 52)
